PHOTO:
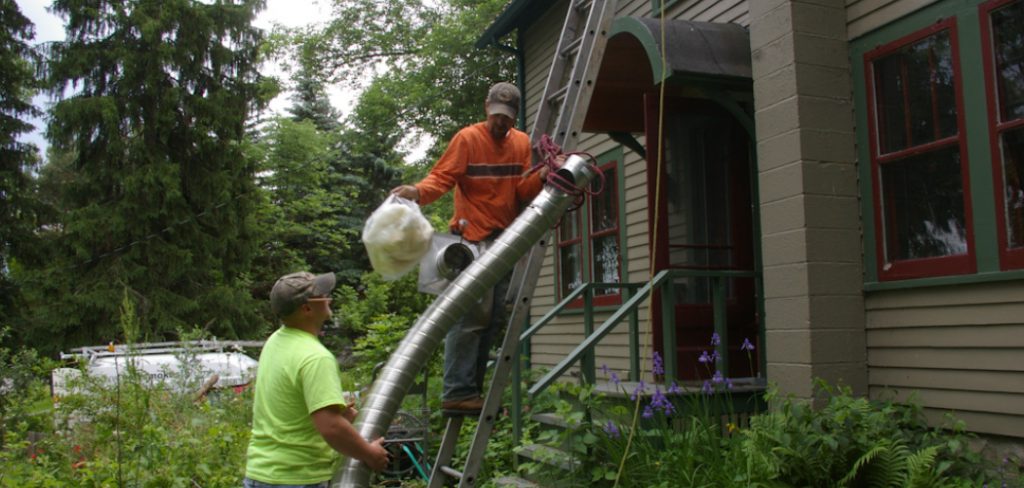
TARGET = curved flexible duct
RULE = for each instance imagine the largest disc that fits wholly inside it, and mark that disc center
(405, 364)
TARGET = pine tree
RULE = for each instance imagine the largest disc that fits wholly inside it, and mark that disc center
(154, 97)
(17, 159)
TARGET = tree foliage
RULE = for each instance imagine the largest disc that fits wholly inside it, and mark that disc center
(18, 159)
(427, 73)
(160, 197)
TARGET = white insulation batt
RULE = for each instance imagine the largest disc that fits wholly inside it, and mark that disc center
(396, 236)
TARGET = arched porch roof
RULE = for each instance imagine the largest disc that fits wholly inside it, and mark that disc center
(712, 58)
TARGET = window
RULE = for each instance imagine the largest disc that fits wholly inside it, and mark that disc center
(919, 169)
(593, 251)
(1003, 44)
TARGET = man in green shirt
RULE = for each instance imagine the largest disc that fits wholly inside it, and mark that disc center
(299, 416)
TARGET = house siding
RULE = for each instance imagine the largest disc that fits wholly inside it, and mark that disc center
(958, 348)
(866, 15)
(553, 342)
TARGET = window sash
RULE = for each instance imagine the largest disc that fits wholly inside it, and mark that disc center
(1006, 134)
(887, 157)
(580, 244)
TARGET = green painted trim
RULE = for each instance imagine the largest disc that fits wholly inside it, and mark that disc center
(633, 27)
(986, 241)
(979, 151)
(993, 277)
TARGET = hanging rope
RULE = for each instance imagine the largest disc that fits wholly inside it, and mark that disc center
(550, 154)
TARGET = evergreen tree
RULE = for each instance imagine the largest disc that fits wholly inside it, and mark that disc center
(154, 97)
(312, 103)
(17, 159)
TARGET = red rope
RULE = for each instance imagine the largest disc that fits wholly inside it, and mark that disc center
(549, 152)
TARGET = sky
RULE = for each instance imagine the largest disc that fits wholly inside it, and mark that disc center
(288, 13)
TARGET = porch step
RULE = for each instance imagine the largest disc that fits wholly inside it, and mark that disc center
(515, 482)
(552, 456)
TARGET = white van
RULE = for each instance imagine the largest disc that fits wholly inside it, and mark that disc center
(181, 366)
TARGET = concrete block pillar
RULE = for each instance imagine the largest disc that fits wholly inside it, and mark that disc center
(810, 222)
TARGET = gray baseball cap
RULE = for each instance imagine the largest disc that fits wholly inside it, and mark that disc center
(292, 290)
(503, 98)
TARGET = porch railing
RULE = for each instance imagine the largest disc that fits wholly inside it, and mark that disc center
(633, 295)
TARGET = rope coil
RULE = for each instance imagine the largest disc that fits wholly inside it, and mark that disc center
(549, 153)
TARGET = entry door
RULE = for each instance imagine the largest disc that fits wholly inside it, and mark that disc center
(703, 223)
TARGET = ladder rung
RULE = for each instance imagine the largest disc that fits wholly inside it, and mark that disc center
(582, 4)
(558, 95)
(573, 47)
(451, 472)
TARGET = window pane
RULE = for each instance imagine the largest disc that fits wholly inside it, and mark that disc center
(606, 263)
(572, 271)
(923, 206)
(915, 94)
(1008, 46)
(569, 229)
(603, 213)
(1012, 145)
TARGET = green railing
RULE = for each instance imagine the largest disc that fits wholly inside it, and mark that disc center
(633, 295)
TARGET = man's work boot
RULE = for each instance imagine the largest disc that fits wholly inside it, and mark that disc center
(467, 406)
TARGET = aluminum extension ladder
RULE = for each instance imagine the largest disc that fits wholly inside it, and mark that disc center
(566, 96)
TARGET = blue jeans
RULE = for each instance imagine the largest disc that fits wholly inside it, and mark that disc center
(468, 344)
(248, 483)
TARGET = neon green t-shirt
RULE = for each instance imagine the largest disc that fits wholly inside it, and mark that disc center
(296, 376)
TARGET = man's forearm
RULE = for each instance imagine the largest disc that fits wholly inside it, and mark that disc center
(344, 438)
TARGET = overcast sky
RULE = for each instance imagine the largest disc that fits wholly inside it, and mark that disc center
(289, 13)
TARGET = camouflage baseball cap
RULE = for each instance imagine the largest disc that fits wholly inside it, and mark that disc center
(292, 290)
(503, 98)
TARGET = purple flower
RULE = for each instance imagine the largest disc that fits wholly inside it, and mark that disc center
(715, 339)
(705, 357)
(728, 384)
(674, 389)
(604, 369)
(648, 412)
(747, 346)
(611, 430)
(659, 367)
(717, 377)
(614, 377)
(640, 388)
(706, 389)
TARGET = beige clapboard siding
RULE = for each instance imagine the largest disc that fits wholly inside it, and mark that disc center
(987, 402)
(982, 359)
(960, 346)
(863, 16)
(993, 381)
(978, 336)
(981, 422)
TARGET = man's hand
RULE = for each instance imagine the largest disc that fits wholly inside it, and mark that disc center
(408, 192)
(332, 425)
(379, 457)
(350, 412)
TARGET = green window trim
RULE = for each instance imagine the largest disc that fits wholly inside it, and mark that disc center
(976, 126)
(586, 254)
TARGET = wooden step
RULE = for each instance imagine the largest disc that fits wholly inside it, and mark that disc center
(515, 482)
(552, 456)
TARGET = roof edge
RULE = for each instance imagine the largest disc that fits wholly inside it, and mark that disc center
(514, 16)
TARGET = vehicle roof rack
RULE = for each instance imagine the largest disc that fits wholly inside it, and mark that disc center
(204, 345)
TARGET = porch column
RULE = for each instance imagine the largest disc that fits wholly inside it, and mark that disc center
(807, 176)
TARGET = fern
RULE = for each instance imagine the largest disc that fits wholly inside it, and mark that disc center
(920, 468)
(858, 465)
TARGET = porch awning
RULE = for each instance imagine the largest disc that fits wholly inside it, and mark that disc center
(697, 53)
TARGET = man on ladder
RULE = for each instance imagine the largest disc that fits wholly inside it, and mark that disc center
(489, 165)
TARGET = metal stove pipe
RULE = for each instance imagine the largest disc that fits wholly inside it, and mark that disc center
(405, 364)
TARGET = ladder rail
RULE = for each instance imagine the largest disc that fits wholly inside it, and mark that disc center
(562, 101)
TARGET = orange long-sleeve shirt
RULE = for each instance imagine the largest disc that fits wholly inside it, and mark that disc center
(488, 179)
